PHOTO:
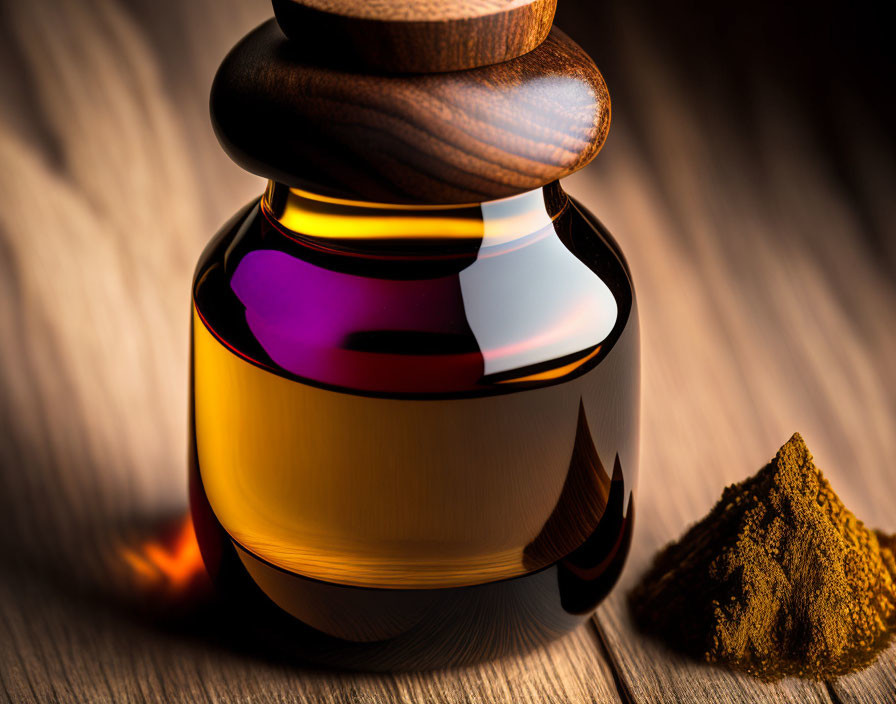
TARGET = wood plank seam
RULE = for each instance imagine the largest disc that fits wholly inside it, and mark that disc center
(832, 693)
(621, 689)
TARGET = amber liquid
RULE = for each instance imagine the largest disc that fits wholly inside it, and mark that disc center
(463, 515)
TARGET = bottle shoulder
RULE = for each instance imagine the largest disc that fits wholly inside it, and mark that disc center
(490, 320)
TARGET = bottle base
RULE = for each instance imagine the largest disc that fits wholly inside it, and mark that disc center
(373, 629)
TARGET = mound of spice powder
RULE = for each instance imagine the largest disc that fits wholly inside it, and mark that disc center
(779, 579)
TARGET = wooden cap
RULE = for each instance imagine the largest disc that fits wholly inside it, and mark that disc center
(418, 36)
(460, 137)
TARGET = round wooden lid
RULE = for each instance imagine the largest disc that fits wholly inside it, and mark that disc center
(459, 137)
(418, 36)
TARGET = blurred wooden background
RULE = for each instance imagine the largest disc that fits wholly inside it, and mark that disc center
(749, 176)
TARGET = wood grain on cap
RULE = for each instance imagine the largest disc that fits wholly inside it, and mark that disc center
(418, 37)
(459, 137)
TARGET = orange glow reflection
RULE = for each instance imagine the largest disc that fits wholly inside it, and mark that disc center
(169, 563)
(554, 373)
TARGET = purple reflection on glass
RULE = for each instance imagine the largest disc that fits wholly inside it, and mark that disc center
(336, 328)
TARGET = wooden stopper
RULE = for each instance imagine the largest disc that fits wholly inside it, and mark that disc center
(458, 137)
(417, 36)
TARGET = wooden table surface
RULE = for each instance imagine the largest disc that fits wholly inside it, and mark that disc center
(763, 252)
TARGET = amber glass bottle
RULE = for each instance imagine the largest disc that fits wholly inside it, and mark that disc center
(414, 424)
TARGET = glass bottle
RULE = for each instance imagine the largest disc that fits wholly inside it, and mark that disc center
(414, 427)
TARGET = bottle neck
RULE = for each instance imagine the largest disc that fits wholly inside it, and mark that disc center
(361, 225)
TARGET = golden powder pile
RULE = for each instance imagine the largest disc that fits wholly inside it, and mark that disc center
(779, 579)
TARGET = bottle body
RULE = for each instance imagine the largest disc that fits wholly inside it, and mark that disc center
(413, 430)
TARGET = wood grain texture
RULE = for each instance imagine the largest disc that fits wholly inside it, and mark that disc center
(56, 647)
(458, 137)
(874, 685)
(403, 11)
(763, 252)
(417, 37)
(762, 310)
